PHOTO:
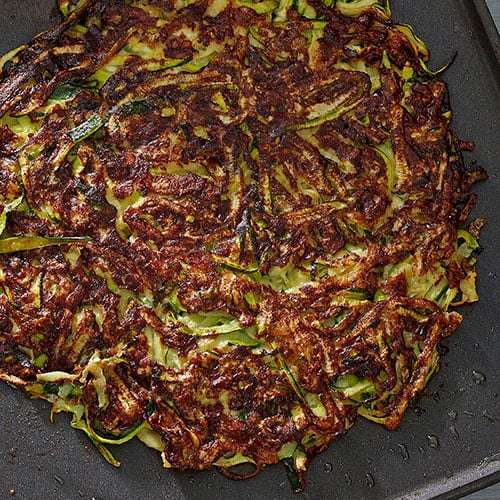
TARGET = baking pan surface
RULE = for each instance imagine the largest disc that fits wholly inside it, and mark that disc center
(448, 445)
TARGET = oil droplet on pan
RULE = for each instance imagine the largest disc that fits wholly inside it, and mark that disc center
(404, 451)
(348, 479)
(370, 482)
(328, 467)
(433, 441)
(479, 378)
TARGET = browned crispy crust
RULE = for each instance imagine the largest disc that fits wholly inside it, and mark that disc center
(198, 186)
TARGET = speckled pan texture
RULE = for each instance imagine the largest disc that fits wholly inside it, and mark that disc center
(448, 446)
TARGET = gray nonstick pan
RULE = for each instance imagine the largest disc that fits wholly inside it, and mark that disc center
(448, 445)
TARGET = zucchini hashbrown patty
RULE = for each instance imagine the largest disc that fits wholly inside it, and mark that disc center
(228, 227)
